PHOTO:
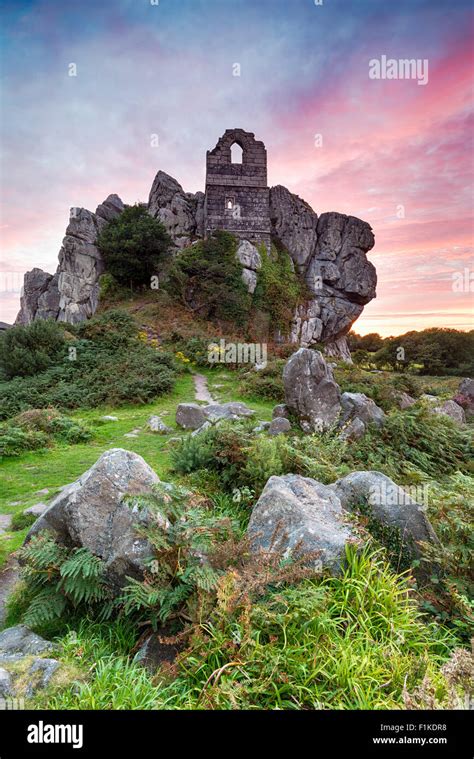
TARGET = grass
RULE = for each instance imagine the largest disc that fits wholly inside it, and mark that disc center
(354, 642)
(52, 468)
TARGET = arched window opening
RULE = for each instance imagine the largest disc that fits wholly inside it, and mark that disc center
(236, 153)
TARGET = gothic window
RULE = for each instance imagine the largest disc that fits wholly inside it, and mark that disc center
(229, 203)
(236, 153)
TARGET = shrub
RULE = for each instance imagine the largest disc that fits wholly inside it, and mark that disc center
(28, 350)
(449, 596)
(207, 279)
(115, 330)
(266, 383)
(182, 531)
(241, 459)
(134, 246)
(195, 349)
(111, 366)
(22, 520)
(39, 428)
(279, 288)
(412, 440)
(327, 643)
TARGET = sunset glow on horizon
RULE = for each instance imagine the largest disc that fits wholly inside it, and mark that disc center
(393, 152)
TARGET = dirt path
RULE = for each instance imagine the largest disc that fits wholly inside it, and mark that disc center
(9, 572)
(201, 389)
(9, 575)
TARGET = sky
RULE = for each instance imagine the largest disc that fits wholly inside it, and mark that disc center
(394, 152)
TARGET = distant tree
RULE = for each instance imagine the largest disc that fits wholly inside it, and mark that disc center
(371, 342)
(134, 246)
(361, 357)
(433, 351)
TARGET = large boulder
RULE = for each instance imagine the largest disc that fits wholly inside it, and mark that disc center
(310, 390)
(177, 210)
(39, 297)
(465, 396)
(404, 400)
(279, 425)
(280, 410)
(451, 409)
(248, 255)
(6, 688)
(339, 349)
(72, 293)
(192, 416)
(294, 223)
(91, 513)
(387, 503)
(331, 253)
(298, 516)
(155, 424)
(80, 261)
(353, 431)
(24, 668)
(359, 406)
(232, 410)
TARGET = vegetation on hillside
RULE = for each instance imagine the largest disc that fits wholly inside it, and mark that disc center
(251, 634)
(101, 361)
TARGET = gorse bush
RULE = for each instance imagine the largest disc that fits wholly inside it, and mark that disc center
(14, 440)
(134, 246)
(111, 366)
(28, 350)
(21, 520)
(412, 445)
(193, 348)
(267, 383)
(414, 440)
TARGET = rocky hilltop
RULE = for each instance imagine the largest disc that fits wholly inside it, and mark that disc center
(329, 251)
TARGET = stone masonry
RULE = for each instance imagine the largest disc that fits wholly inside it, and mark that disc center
(237, 195)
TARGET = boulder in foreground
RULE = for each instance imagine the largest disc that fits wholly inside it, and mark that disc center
(90, 513)
(296, 516)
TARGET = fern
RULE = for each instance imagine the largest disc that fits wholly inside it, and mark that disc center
(181, 532)
(58, 579)
(47, 605)
(206, 578)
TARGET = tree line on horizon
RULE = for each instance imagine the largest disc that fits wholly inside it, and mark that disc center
(437, 350)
